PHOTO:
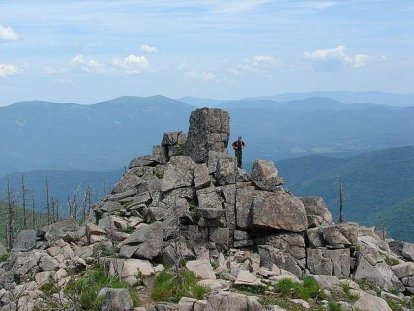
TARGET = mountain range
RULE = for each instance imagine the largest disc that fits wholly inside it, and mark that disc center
(105, 136)
(378, 186)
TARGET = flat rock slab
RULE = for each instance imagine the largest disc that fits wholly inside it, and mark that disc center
(369, 302)
(26, 240)
(201, 268)
(246, 278)
(279, 211)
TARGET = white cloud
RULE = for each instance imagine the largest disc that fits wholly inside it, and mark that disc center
(132, 64)
(334, 59)
(88, 65)
(202, 75)
(53, 71)
(256, 64)
(148, 49)
(8, 70)
(7, 34)
(320, 5)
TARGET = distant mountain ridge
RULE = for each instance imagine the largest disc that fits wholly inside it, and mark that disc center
(105, 136)
(379, 186)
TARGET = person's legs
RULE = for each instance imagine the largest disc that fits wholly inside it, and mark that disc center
(238, 154)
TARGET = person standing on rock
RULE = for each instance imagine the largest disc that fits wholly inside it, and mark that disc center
(238, 146)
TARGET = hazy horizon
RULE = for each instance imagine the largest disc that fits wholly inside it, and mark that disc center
(90, 51)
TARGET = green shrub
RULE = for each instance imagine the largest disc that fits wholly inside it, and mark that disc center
(49, 287)
(348, 295)
(85, 289)
(172, 285)
(257, 290)
(391, 261)
(286, 287)
(129, 230)
(333, 306)
(395, 306)
(4, 257)
(309, 289)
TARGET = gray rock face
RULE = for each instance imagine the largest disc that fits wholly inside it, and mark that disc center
(173, 138)
(278, 211)
(287, 251)
(264, 175)
(201, 176)
(403, 249)
(369, 302)
(178, 173)
(146, 242)
(25, 241)
(244, 203)
(117, 299)
(317, 212)
(209, 130)
(223, 167)
(334, 262)
(228, 301)
(208, 198)
(3, 249)
(372, 268)
(128, 182)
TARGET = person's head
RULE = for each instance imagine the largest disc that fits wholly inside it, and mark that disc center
(239, 138)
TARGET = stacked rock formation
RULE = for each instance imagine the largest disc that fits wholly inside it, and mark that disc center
(188, 200)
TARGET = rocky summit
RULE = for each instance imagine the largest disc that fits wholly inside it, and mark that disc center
(186, 209)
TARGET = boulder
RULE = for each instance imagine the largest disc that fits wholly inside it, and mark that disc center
(371, 267)
(278, 211)
(173, 138)
(286, 251)
(117, 299)
(228, 301)
(25, 241)
(186, 304)
(264, 175)
(368, 302)
(146, 242)
(334, 262)
(201, 268)
(225, 168)
(317, 212)
(3, 249)
(201, 176)
(215, 285)
(403, 249)
(246, 278)
(126, 268)
(178, 173)
(244, 202)
(209, 130)
(405, 269)
(128, 182)
(148, 160)
(208, 198)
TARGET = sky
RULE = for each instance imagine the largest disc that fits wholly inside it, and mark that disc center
(88, 51)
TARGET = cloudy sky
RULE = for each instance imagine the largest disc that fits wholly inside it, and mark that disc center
(91, 50)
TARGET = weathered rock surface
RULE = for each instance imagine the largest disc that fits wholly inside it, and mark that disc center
(278, 211)
(117, 300)
(209, 131)
(317, 212)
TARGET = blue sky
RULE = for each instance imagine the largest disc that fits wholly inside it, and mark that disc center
(86, 51)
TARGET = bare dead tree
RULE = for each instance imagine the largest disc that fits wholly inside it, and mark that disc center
(52, 209)
(341, 201)
(10, 215)
(49, 218)
(57, 209)
(24, 191)
(33, 211)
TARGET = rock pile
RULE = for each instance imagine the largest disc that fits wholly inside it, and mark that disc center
(189, 201)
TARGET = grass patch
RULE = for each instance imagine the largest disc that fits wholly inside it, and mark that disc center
(391, 261)
(128, 230)
(4, 257)
(257, 290)
(84, 290)
(172, 285)
(333, 306)
(308, 289)
(49, 287)
(347, 293)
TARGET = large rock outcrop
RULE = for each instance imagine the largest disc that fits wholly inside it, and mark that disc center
(188, 201)
(209, 131)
